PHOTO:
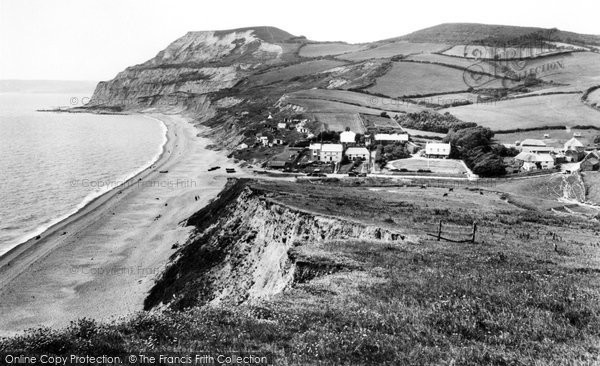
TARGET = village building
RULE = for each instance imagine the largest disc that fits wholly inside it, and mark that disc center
(391, 137)
(534, 146)
(437, 150)
(591, 162)
(347, 137)
(574, 145)
(573, 156)
(534, 161)
(282, 125)
(264, 140)
(332, 152)
(278, 142)
(315, 151)
(242, 146)
(354, 153)
(301, 127)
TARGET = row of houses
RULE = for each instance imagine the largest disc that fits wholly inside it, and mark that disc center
(335, 152)
(536, 154)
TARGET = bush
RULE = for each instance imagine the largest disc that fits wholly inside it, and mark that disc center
(433, 122)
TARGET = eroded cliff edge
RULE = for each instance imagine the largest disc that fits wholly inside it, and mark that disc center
(249, 245)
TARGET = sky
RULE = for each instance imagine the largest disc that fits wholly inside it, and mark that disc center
(94, 40)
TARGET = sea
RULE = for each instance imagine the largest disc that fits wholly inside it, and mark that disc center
(52, 164)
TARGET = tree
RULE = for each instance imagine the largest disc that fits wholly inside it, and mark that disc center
(474, 145)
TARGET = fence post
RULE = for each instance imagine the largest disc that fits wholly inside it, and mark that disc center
(474, 230)
(440, 231)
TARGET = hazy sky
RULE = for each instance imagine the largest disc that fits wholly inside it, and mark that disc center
(93, 40)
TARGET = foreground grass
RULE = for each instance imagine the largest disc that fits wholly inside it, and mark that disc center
(506, 300)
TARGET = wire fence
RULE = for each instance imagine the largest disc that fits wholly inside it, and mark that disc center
(454, 233)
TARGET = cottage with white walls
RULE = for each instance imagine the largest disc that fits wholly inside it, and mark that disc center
(355, 153)
(437, 150)
(315, 151)
(347, 137)
(391, 137)
(332, 152)
(282, 125)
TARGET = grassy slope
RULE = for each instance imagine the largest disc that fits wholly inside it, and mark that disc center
(509, 299)
(407, 79)
(328, 49)
(530, 112)
(393, 49)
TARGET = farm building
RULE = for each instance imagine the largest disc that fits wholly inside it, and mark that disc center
(574, 145)
(574, 156)
(591, 162)
(264, 140)
(301, 127)
(391, 137)
(315, 151)
(282, 125)
(533, 161)
(332, 152)
(437, 150)
(354, 153)
(535, 146)
(278, 142)
(347, 137)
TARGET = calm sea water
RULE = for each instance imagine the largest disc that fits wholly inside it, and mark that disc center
(52, 164)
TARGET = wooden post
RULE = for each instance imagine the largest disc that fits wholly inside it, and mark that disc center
(440, 231)
(474, 230)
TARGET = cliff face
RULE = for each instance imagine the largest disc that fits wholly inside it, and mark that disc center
(194, 65)
(248, 246)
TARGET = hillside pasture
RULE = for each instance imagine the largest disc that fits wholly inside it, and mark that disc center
(393, 49)
(415, 79)
(490, 53)
(360, 99)
(379, 122)
(340, 121)
(328, 49)
(592, 186)
(530, 112)
(292, 71)
(594, 98)
(557, 138)
(446, 99)
(311, 105)
(579, 71)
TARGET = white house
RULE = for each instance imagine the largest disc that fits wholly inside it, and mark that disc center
(242, 146)
(315, 151)
(574, 145)
(301, 127)
(332, 152)
(347, 137)
(391, 137)
(282, 125)
(437, 150)
(354, 153)
(264, 140)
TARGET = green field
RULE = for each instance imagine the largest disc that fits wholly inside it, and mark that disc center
(393, 49)
(371, 121)
(447, 60)
(409, 78)
(289, 72)
(579, 71)
(445, 99)
(311, 105)
(328, 49)
(360, 99)
(339, 121)
(530, 112)
(557, 138)
(594, 97)
(437, 166)
(484, 52)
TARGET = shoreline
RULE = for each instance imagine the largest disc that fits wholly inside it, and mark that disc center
(80, 212)
(42, 230)
(75, 269)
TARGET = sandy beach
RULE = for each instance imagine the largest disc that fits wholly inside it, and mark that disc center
(100, 262)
